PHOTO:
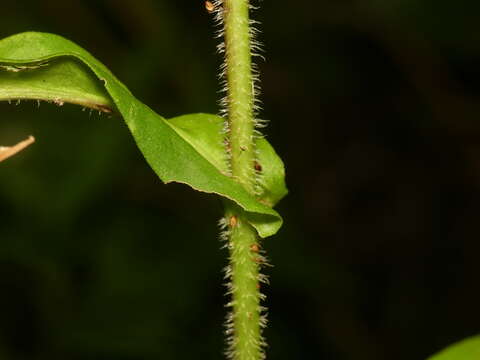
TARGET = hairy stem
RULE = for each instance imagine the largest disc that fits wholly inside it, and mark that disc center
(245, 321)
(240, 96)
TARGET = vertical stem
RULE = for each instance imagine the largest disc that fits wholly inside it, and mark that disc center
(239, 91)
(245, 321)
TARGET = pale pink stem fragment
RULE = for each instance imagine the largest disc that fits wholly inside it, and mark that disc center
(7, 151)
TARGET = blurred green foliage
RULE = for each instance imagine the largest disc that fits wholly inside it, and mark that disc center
(374, 109)
(466, 349)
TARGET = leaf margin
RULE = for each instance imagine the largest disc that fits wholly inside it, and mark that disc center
(50, 46)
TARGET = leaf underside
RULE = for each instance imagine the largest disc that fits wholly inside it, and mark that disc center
(187, 149)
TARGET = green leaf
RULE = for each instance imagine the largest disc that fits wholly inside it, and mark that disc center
(467, 349)
(204, 133)
(185, 150)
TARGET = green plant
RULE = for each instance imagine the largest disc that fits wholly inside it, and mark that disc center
(218, 155)
(463, 350)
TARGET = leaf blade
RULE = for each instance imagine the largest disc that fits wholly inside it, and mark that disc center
(467, 349)
(173, 158)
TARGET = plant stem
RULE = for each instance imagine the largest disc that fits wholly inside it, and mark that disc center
(245, 321)
(240, 94)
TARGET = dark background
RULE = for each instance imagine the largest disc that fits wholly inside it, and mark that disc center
(374, 109)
